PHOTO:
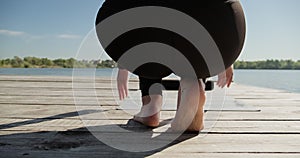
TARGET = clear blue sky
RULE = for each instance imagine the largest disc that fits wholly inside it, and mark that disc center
(55, 28)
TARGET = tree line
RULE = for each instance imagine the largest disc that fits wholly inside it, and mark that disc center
(268, 64)
(34, 62)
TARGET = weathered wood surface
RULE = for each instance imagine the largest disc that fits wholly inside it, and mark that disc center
(38, 118)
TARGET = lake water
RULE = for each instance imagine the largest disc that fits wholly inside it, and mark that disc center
(288, 80)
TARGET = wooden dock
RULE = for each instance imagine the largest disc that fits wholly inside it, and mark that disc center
(38, 118)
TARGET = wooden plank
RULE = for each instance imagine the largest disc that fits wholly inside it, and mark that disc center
(224, 127)
(58, 107)
(213, 143)
(40, 85)
(31, 104)
(60, 111)
(240, 143)
(231, 155)
(54, 78)
(99, 153)
(65, 154)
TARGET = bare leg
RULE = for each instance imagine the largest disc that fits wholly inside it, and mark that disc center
(150, 112)
(191, 100)
(197, 123)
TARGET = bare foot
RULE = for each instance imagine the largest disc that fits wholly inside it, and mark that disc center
(151, 121)
(191, 100)
(197, 123)
(194, 124)
(150, 112)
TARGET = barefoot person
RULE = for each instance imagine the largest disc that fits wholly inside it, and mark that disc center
(152, 103)
(223, 20)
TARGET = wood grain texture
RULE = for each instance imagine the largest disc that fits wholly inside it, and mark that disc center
(39, 118)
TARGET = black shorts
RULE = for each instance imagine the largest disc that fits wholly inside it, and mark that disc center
(223, 19)
(146, 83)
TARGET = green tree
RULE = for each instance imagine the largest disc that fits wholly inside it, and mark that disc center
(16, 62)
(297, 65)
(45, 62)
(59, 62)
(69, 63)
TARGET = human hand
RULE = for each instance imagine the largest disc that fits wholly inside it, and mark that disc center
(122, 83)
(225, 78)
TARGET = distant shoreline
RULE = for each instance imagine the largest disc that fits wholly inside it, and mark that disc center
(34, 62)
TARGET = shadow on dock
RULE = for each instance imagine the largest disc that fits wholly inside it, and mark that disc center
(72, 143)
